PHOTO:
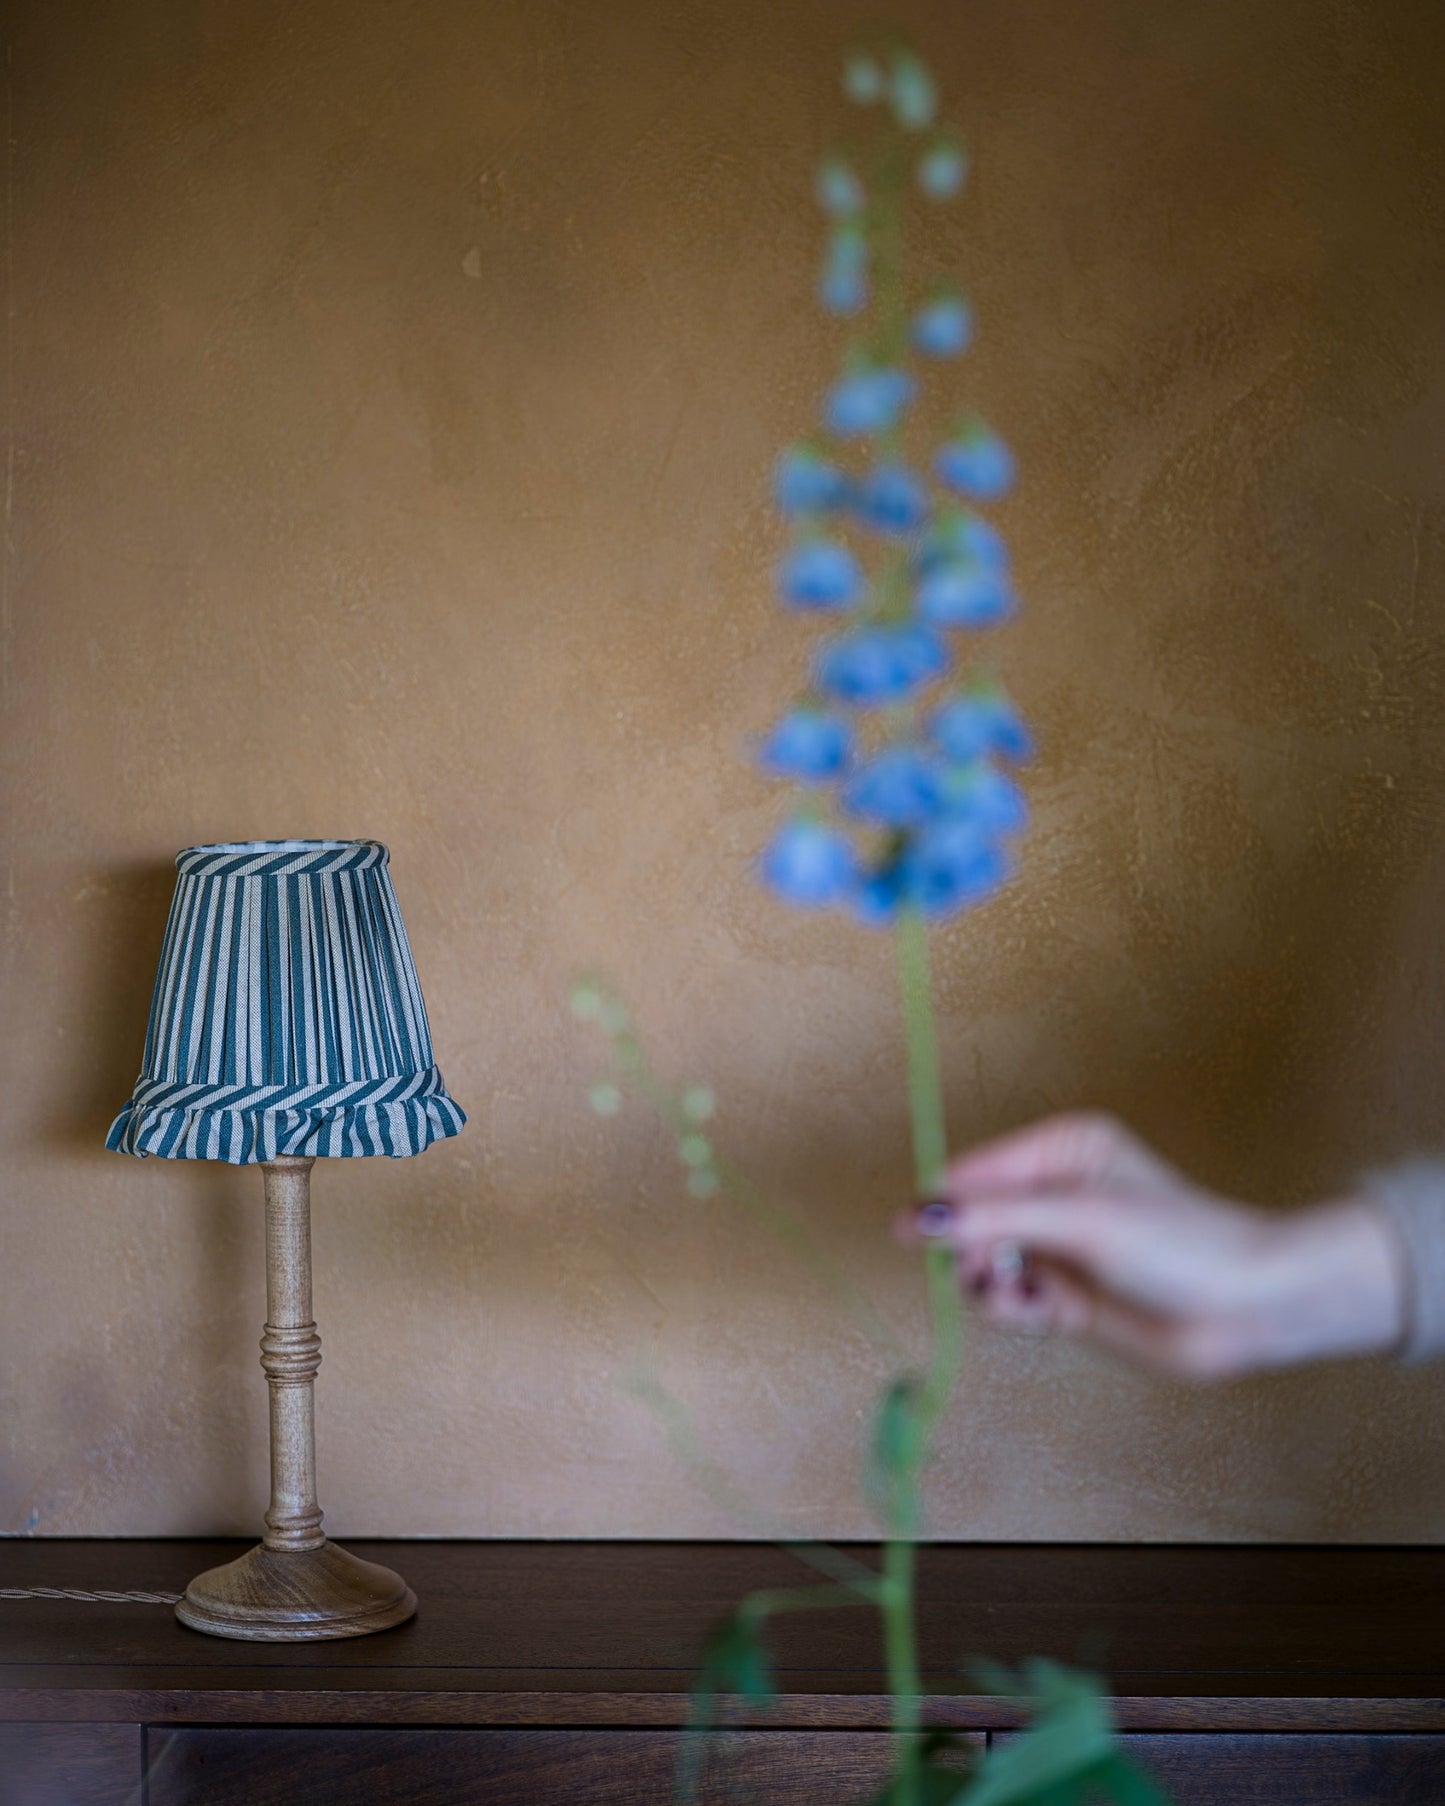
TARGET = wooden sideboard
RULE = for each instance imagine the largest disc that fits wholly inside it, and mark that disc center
(551, 1672)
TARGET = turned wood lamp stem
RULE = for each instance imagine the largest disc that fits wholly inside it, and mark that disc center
(296, 1585)
(290, 1357)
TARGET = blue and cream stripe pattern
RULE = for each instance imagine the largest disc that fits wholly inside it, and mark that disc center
(287, 1017)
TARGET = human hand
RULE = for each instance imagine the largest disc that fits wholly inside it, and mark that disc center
(1074, 1225)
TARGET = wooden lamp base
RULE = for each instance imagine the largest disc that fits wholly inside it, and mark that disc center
(296, 1596)
(296, 1587)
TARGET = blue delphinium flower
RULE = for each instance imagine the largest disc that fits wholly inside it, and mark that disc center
(958, 537)
(820, 574)
(806, 483)
(868, 401)
(922, 651)
(843, 287)
(892, 499)
(950, 865)
(985, 796)
(946, 866)
(963, 593)
(977, 464)
(811, 745)
(943, 327)
(899, 787)
(810, 864)
(882, 663)
(979, 724)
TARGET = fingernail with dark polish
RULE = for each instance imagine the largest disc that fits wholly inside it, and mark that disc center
(1029, 1286)
(979, 1283)
(934, 1216)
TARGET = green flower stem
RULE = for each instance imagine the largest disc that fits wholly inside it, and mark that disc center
(900, 1646)
(925, 1084)
(930, 1152)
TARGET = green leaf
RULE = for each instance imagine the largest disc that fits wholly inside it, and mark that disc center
(1125, 1783)
(1070, 1740)
(736, 1660)
(938, 1786)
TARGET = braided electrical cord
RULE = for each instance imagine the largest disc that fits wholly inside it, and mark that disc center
(104, 1598)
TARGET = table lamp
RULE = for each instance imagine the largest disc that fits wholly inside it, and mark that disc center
(287, 1023)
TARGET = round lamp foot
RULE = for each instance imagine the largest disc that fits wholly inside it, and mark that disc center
(296, 1596)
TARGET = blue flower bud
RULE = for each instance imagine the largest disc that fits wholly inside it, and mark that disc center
(892, 499)
(862, 80)
(809, 864)
(842, 291)
(979, 724)
(942, 170)
(804, 483)
(976, 464)
(868, 401)
(944, 327)
(985, 796)
(963, 593)
(810, 745)
(949, 865)
(880, 664)
(840, 193)
(820, 574)
(897, 788)
(912, 93)
(843, 287)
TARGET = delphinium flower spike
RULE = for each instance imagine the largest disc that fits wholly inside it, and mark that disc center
(907, 809)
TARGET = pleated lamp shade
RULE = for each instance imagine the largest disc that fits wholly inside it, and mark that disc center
(287, 1018)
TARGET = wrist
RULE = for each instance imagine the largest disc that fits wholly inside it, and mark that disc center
(1336, 1286)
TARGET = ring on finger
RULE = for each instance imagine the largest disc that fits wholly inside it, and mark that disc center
(1008, 1263)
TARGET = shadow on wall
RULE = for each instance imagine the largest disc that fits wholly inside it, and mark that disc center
(114, 977)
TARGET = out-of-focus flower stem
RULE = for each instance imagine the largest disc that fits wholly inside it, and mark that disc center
(635, 1068)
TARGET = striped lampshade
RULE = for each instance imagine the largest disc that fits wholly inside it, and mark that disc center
(287, 1017)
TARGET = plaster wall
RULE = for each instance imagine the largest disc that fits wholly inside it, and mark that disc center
(394, 391)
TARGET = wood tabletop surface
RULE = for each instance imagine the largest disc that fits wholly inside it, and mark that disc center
(571, 1633)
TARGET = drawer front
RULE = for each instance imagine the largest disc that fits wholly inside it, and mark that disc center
(1218, 1768)
(264, 1767)
(70, 1764)
(226, 1767)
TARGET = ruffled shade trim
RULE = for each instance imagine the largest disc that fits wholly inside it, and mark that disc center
(244, 1125)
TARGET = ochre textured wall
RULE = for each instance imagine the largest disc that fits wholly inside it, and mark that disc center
(395, 390)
